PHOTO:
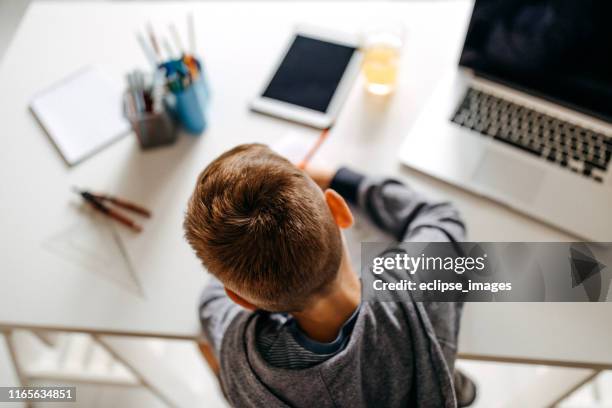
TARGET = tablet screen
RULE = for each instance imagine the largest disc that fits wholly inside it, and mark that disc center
(310, 73)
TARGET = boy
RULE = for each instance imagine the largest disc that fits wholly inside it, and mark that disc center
(269, 233)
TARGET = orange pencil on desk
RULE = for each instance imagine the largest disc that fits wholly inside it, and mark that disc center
(302, 165)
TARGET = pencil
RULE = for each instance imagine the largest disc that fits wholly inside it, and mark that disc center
(153, 39)
(302, 165)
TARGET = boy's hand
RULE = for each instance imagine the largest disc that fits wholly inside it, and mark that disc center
(322, 177)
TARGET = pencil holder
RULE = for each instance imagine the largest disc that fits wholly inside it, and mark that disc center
(189, 106)
(152, 129)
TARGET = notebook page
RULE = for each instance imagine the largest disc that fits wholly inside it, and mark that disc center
(81, 114)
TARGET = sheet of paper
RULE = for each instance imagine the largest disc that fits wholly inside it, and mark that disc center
(293, 146)
(81, 114)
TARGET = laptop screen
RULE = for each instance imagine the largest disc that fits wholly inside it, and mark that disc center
(557, 49)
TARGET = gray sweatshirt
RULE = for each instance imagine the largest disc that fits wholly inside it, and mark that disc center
(392, 355)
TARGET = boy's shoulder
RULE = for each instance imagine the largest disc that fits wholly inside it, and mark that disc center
(373, 322)
(387, 342)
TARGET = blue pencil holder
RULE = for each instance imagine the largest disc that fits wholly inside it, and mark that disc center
(189, 106)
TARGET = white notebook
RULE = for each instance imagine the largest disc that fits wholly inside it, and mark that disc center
(81, 114)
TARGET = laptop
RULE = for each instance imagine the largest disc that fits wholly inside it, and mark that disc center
(526, 118)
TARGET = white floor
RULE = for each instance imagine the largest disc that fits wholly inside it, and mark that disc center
(498, 384)
(595, 394)
(100, 380)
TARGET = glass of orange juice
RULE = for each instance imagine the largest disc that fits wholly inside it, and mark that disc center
(382, 46)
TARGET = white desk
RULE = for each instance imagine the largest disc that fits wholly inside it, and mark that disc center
(239, 41)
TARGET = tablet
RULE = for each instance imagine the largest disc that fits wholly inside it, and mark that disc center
(312, 79)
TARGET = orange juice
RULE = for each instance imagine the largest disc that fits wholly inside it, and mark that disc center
(380, 67)
(382, 45)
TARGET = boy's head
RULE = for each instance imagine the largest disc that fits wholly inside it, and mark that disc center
(264, 229)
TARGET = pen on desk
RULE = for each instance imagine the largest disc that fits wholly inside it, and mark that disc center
(302, 165)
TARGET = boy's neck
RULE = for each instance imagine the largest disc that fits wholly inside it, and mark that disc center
(322, 321)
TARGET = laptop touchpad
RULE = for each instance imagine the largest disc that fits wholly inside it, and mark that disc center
(502, 174)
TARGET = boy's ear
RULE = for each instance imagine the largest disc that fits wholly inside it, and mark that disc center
(339, 209)
(236, 298)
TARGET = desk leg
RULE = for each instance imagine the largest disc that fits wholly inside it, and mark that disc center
(151, 371)
(7, 337)
(552, 387)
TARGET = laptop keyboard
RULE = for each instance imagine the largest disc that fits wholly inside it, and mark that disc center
(573, 147)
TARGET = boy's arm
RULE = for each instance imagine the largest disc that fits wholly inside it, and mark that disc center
(216, 312)
(409, 216)
(398, 209)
